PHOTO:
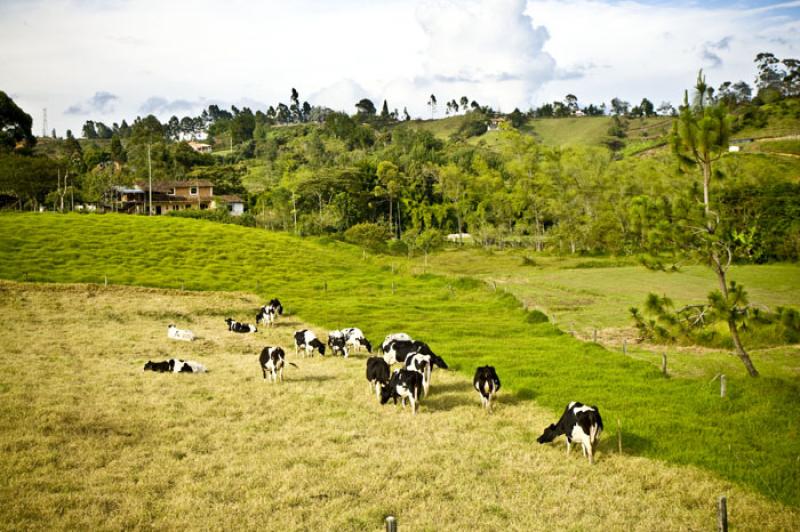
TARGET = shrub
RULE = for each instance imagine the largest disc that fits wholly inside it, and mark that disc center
(368, 235)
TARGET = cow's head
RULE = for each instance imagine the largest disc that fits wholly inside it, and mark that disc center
(386, 392)
(549, 434)
(148, 365)
(229, 321)
(366, 344)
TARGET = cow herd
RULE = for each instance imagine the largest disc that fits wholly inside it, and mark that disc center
(410, 382)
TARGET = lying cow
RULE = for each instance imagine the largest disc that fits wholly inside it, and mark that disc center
(273, 359)
(179, 334)
(175, 365)
(354, 337)
(578, 422)
(387, 342)
(235, 326)
(399, 350)
(338, 343)
(487, 383)
(405, 384)
(308, 341)
(377, 374)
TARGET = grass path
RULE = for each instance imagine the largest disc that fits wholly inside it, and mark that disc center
(89, 441)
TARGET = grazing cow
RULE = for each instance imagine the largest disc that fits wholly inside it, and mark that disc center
(235, 326)
(405, 384)
(308, 341)
(578, 422)
(422, 365)
(266, 316)
(387, 342)
(175, 365)
(487, 383)
(179, 334)
(356, 338)
(399, 350)
(377, 374)
(338, 343)
(269, 312)
(273, 359)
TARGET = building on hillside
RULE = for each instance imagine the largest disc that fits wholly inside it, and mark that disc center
(167, 196)
(200, 147)
(232, 202)
(578, 112)
(494, 124)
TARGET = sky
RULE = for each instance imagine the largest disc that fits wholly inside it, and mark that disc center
(106, 60)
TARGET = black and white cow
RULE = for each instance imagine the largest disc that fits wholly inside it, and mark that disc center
(356, 338)
(235, 326)
(387, 342)
(269, 312)
(175, 365)
(421, 364)
(579, 422)
(399, 350)
(179, 334)
(273, 359)
(405, 384)
(308, 341)
(338, 343)
(377, 374)
(487, 383)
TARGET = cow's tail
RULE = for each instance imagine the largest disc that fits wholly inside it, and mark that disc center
(293, 364)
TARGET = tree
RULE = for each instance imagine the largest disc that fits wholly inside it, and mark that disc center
(464, 101)
(385, 116)
(365, 108)
(391, 183)
(432, 104)
(699, 137)
(103, 131)
(89, 132)
(646, 108)
(769, 73)
(406, 116)
(15, 125)
(571, 101)
(619, 107)
(117, 151)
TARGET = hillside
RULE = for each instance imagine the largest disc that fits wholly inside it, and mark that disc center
(332, 286)
(90, 441)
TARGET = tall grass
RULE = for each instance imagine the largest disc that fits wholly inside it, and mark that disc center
(681, 420)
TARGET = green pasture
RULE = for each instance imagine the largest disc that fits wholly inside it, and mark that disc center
(680, 419)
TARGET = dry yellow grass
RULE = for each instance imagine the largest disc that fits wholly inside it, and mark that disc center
(90, 441)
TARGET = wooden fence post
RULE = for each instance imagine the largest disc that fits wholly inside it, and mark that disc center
(325, 286)
(105, 280)
(624, 346)
(391, 524)
(594, 336)
(664, 363)
(392, 287)
(723, 385)
(722, 514)
(619, 436)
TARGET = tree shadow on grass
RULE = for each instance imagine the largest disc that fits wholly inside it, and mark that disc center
(310, 378)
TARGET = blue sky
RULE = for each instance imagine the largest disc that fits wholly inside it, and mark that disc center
(108, 60)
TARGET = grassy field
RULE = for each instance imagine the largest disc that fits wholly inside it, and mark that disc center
(89, 441)
(329, 284)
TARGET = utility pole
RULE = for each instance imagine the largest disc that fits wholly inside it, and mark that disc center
(150, 176)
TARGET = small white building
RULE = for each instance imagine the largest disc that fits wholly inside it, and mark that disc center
(200, 147)
(232, 202)
(734, 149)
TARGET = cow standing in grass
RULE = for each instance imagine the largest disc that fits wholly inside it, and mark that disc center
(273, 359)
(579, 422)
(338, 343)
(308, 341)
(487, 383)
(354, 337)
(377, 374)
(405, 384)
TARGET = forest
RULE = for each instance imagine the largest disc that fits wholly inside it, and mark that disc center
(398, 185)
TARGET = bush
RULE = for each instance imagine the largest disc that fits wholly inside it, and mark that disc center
(536, 316)
(368, 235)
(397, 247)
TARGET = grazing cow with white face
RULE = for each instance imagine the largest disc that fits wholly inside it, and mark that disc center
(580, 423)
(235, 326)
(405, 384)
(273, 359)
(387, 342)
(175, 365)
(338, 343)
(356, 338)
(487, 383)
(179, 334)
(377, 374)
(308, 341)
(399, 350)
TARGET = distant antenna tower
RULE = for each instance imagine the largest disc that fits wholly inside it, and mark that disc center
(44, 122)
